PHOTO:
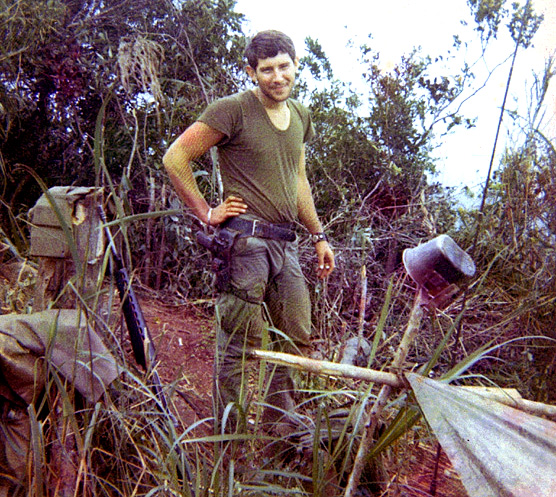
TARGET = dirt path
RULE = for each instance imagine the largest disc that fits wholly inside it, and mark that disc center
(184, 340)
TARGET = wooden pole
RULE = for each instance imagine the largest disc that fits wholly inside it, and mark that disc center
(383, 396)
(506, 396)
(331, 368)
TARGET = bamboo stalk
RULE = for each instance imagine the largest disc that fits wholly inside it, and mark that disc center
(506, 396)
(510, 397)
(383, 396)
(331, 368)
(362, 305)
(149, 227)
(161, 243)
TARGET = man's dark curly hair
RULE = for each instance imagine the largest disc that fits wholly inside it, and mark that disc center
(268, 44)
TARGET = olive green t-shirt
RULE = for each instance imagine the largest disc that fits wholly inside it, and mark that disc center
(258, 161)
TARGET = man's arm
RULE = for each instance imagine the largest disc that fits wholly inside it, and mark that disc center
(309, 218)
(190, 145)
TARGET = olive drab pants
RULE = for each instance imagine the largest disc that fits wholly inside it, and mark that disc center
(266, 284)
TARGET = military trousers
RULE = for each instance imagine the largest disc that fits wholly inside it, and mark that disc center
(267, 303)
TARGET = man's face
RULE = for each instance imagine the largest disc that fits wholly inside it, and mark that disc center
(275, 76)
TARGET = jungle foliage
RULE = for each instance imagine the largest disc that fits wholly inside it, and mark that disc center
(93, 92)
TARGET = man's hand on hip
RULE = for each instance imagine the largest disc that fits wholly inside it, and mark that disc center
(231, 207)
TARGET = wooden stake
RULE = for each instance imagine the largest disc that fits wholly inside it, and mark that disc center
(383, 396)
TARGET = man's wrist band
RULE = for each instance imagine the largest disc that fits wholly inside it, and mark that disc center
(208, 215)
(318, 237)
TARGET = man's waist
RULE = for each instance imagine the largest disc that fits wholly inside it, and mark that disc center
(261, 229)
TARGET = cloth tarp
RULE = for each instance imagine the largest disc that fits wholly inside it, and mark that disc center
(497, 450)
(62, 335)
(73, 350)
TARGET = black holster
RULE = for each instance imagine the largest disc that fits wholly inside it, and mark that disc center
(220, 246)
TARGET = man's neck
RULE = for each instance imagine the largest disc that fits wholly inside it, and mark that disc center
(278, 112)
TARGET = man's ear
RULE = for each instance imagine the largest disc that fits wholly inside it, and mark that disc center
(296, 62)
(251, 73)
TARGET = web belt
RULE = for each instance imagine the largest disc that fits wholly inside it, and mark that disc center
(261, 229)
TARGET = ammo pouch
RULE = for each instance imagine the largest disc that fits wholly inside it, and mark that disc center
(220, 246)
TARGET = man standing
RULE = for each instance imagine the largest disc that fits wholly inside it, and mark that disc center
(260, 135)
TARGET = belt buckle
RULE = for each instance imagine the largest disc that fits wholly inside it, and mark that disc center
(254, 227)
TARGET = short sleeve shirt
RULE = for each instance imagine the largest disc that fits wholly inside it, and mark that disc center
(258, 161)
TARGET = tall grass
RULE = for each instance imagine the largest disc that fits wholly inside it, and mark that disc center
(126, 445)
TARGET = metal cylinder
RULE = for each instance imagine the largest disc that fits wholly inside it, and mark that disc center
(438, 263)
